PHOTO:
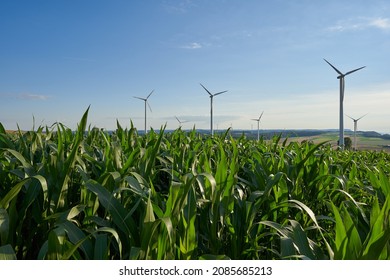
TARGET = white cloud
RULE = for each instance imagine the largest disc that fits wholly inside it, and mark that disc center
(192, 46)
(360, 23)
(29, 96)
(381, 23)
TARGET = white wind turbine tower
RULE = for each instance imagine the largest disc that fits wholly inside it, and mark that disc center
(146, 102)
(211, 106)
(355, 129)
(258, 125)
(342, 86)
(180, 122)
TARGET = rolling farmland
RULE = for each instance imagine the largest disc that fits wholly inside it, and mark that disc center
(91, 194)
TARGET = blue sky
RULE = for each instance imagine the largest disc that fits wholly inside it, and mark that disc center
(58, 57)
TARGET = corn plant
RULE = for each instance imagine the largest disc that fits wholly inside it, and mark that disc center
(95, 194)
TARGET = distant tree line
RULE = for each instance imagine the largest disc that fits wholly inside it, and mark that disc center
(374, 134)
(268, 134)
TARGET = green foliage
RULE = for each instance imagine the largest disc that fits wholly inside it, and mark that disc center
(348, 143)
(91, 194)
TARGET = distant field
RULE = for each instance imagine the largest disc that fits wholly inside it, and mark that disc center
(363, 143)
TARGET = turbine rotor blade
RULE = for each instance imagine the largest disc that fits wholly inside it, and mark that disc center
(149, 94)
(150, 108)
(140, 98)
(361, 117)
(353, 71)
(261, 115)
(219, 93)
(337, 70)
(206, 90)
(180, 120)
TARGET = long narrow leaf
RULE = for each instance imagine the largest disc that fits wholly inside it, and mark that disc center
(119, 215)
(7, 253)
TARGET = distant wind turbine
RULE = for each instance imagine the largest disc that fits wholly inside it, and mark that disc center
(355, 129)
(146, 102)
(258, 125)
(211, 106)
(180, 122)
(342, 86)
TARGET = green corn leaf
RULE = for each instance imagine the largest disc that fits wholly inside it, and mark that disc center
(137, 184)
(353, 242)
(384, 183)
(5, 141)
(130, 161)
(301, 241)
(287, 249)
(149, 238)
(379, 235)
(71, 159)
(118, 213)
(56, 244)
(376, 248)
(188, 230)
(314, 219)
(75, 235)
(43, 250)
(100, 246)
(101, 249)
(279, 228)
(341, 234)
(28, 168)
(4, 226)
(4, 202)
(2, 129)
(214, 257)
(149, 216)
(7, 253)
(115, 235)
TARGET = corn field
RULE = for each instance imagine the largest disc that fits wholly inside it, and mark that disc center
(90, 194)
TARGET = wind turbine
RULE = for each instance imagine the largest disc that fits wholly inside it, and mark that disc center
(355, 128)
(180, 122)
(342, 86)
(258, 125)
(211, 106)
(146, 102)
